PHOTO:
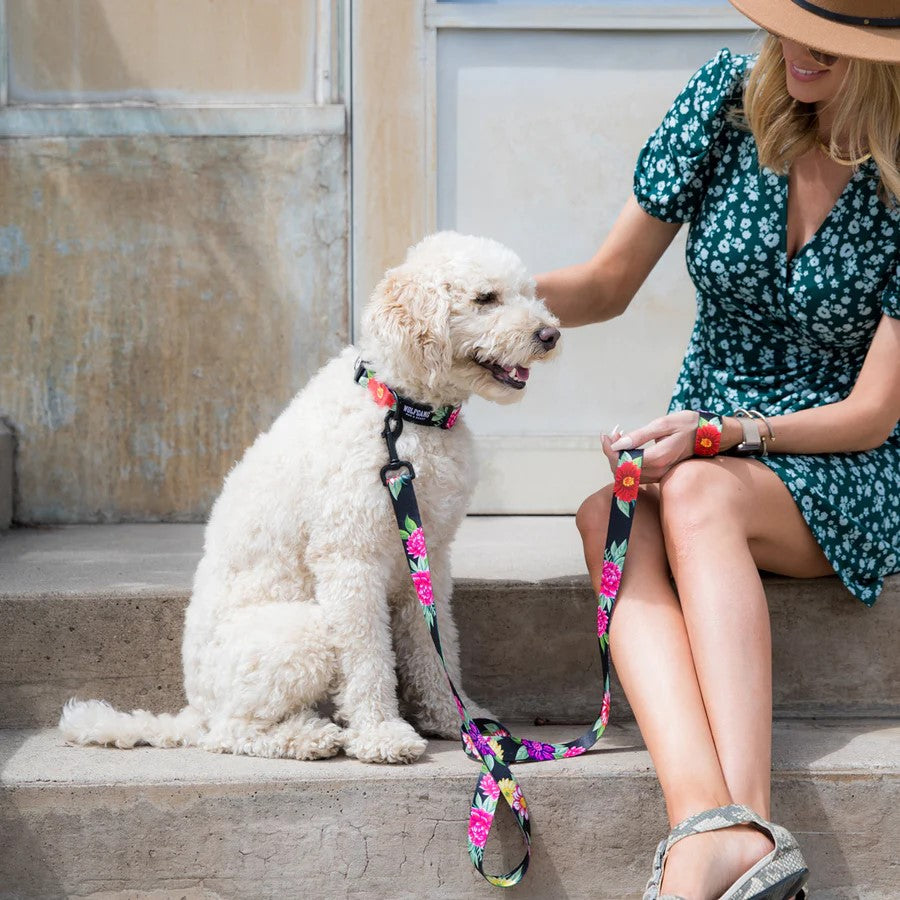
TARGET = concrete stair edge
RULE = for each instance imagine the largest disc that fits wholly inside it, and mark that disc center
(88, 618)
(89, 821)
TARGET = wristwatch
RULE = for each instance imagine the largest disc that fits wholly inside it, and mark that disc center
(752, 445)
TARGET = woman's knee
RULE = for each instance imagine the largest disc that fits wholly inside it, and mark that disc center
(593, 514)
(697, 496)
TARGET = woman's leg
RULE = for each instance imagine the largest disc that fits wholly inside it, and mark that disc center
(711, 531)
(721, 519)
(653, 660)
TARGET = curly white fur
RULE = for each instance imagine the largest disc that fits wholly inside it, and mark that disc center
(303, 592)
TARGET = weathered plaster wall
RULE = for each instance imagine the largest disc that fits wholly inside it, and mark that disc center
(160, 301)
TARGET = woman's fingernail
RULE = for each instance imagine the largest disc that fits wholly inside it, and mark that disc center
(623, 443)
(613, 431)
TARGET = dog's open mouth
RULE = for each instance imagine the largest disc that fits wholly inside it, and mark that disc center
(513, 376)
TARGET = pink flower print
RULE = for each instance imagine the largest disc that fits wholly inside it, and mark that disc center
(451, 419)
(490, 787)
(602, 622)
(537, 750)
(415, 545)
(518, 802)
(604, 710)
(459, 705)
(469, 744)
(609, 582)
(573, 751)
(500, 733)
(422, 582)
(479, 826)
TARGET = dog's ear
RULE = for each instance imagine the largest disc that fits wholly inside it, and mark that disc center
(408, 319)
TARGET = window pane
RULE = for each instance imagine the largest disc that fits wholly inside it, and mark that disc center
(179, 51)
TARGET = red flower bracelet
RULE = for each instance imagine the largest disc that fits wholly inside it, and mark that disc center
(709, 434)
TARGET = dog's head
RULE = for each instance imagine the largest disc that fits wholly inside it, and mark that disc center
(458, 317)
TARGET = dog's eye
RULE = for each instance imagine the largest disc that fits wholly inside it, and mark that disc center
(486, 298)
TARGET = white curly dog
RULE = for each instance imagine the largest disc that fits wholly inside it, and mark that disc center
(303, 591)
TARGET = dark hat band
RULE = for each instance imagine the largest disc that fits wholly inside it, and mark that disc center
(845, 19)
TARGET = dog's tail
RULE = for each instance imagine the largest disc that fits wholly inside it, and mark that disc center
(96, 722)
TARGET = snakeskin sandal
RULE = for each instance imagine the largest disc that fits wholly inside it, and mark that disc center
(780, 874)
(651, 892)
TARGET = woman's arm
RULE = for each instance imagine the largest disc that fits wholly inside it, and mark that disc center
(602, 287)
(861, 421)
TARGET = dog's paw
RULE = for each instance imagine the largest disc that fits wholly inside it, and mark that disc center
(394, 741)
(323, 740)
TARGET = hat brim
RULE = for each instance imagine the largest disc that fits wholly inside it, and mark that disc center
(791, 21)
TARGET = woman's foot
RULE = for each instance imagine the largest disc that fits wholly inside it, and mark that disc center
(704, 866)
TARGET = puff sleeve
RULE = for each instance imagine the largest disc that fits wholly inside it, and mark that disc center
(890, 299)
(674, 166)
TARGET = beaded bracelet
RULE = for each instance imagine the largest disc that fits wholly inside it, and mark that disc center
(709, 434)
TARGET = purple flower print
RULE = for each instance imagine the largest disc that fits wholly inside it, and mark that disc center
(573, 751)
(602, 622)
(609, 583)
(489, 786)
(415, 546)
(422, 581)
(484, 748)
(479, 826)
(537, 750)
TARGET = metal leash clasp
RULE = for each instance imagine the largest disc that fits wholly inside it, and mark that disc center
(393, 428)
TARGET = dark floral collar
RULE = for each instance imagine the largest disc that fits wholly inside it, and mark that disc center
(420, 413)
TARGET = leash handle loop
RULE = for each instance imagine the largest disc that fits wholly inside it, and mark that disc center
(486, 740)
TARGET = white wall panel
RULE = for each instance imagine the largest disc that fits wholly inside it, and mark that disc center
(537, 135)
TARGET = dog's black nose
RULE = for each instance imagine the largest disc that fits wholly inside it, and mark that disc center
(548, 337)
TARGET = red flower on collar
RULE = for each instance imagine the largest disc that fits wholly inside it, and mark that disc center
(381, 393)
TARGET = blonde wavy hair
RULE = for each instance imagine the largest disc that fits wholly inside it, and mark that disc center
(867, 114)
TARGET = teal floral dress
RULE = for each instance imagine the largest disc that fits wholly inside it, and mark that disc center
(777, 336)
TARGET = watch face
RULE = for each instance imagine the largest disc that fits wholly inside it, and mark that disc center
(746, 449)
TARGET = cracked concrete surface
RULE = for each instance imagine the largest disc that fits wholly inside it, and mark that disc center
(109, 820)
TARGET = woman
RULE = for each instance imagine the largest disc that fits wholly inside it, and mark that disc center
(787, 169)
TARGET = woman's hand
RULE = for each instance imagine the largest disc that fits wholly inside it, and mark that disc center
(674, 436)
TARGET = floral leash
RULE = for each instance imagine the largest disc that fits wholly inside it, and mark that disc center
(486, 740)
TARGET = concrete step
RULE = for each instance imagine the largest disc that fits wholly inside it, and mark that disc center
(89, 822)
(96, 611)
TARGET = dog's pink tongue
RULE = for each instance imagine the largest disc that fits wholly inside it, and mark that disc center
(520, 373)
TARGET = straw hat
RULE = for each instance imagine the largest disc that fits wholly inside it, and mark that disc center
(863, 29)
